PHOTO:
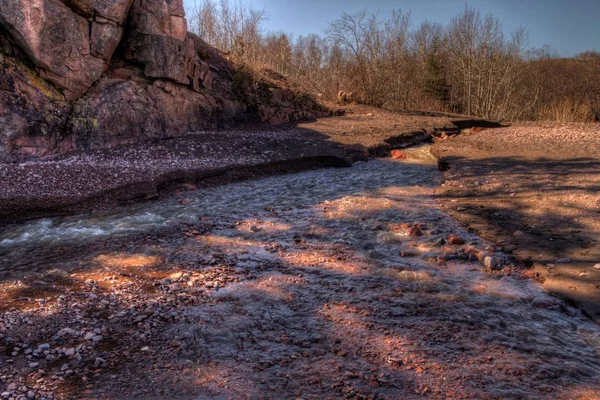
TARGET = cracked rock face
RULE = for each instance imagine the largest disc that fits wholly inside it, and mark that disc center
(157, 38)
(57, 92)
(70, 42)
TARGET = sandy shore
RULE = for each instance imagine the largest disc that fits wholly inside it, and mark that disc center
(535, 188)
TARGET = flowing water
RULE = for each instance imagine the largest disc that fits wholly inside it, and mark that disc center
(335, 299)
(298, 190)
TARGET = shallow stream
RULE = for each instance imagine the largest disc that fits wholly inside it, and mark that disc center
(328, 270)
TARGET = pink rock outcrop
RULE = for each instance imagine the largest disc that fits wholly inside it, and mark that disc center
(70, 41)
(85, 74)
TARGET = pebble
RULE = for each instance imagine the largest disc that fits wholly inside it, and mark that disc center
(34, 364)
(439, 242)
(66, 331)
(376, 227)
(254, 228)
(455, 239)
(597, 266)
(490, 262)
(415, 231)
(563, 261)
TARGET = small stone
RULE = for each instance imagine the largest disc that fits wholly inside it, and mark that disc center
(407, 254)
(70, 352)
(65, 331)
(145, 349)
(12, 386)
(583, 274)
(565, 260)
(455, 239)
(398, 154)
(6, 395)
(461, 208)
(175, 276)
(415, 231)
(97, 338)
(34, 364)
(597, 266)
(490, 262)
(376, 227)
(89, 336)
(439, 242)
(254, 228)
(518, 233)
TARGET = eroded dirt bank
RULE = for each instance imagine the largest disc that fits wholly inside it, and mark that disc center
(535, 189)
(336, 283)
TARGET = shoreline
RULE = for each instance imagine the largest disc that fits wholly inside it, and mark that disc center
(533, 189)
(89, 181)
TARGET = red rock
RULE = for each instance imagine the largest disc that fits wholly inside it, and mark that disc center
(471, 251)
(415, 231)
(398, 154)
(57, 39)
(455, 239)
(346, 97)
(69, 100)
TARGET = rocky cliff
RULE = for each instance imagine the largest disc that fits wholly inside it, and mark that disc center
(85, 74)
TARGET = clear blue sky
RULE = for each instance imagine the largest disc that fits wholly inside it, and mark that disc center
(569, 26)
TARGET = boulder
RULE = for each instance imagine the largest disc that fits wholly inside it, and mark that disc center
(159, 17)
(113, 10)
(163, 56)
(157, 38)
(155, 109)
(33, 113)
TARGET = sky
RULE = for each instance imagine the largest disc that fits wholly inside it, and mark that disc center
(568, 26)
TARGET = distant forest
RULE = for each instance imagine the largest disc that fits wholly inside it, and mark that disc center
(468, 66)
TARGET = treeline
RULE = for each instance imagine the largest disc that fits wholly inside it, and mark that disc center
(468, 66)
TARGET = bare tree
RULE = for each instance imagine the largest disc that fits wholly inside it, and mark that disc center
(468, 66)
